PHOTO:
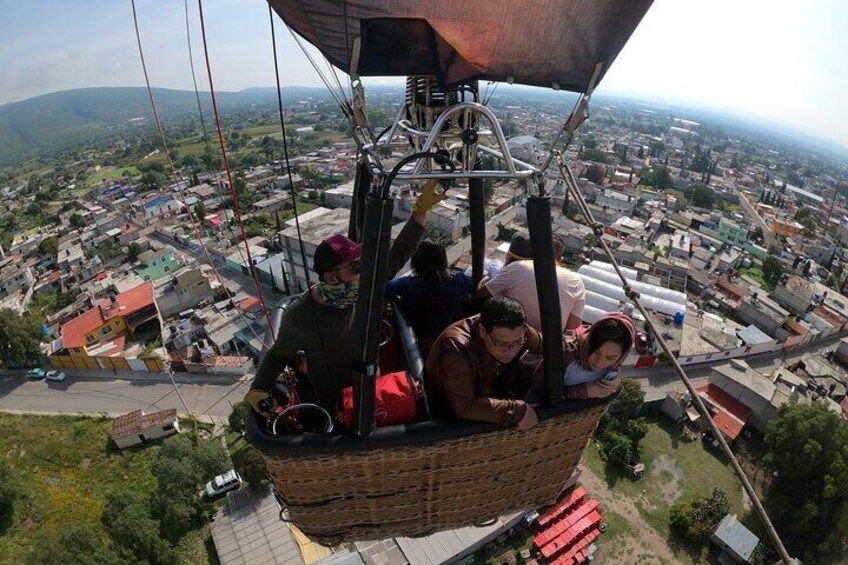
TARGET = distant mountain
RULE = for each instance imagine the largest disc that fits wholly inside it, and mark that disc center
(71, 119)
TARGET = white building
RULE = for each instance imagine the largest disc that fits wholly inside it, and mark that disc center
(680, 245)
(137, 428)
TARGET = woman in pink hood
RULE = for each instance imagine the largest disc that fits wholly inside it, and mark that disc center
(593, 356)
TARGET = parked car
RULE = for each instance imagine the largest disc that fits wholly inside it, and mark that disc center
(56, 376)
(36, 374)
(223, 484)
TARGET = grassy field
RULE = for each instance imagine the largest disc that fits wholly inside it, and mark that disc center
(755, 271)
(66, 466)
(111, 173)
(674, 469)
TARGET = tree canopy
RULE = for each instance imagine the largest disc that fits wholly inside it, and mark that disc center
(76, 220)
(620, 431)
(808, 498)
(133, 531)
(700, 195)
(772, 269)
(133, 251)
(695, 520)
(9, 494)
(49, 246)
(658, 177)
(19, 338)
(70, 546)
(182, 469)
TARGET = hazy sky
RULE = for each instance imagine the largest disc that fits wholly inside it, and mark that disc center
(779, 60)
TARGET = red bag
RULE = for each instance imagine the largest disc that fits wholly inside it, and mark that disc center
(395, 401)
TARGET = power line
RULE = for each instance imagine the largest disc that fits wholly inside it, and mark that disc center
(631, 294)
(250, 264)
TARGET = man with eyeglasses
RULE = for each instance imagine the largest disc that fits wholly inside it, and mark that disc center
(477, 366)
(319, 323)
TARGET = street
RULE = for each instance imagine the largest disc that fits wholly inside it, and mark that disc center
(211, 397)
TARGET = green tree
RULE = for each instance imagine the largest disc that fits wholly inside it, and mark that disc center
(72, 545)
(252, 469)
(153, 180)
(181, 469)
(700, 195)
(9, 493)
(49, 246)
(620, 431)
(808, 498)
(133, 531)
(19, 338)
(629, 400)
(133, 251)
(200, 211)
(593, 154)
(772, 269)
(656, 148)
(757, 234)
(76, 220)
(695, 520)
(237, 417)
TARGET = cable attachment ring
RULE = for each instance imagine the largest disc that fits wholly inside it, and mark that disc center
(630, 293)
(598, 229)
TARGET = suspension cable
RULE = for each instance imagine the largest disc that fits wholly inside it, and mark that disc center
(195, 229)
(343, 104)
(181, 197)
(250, 264)
(173, 172)
(286, 146)
(633, 296)
(207, 145)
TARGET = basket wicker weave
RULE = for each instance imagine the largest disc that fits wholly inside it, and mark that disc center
(421, 478)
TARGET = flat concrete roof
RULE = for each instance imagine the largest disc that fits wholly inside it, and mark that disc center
(248, 531)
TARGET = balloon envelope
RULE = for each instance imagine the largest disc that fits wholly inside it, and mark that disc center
(549, 43)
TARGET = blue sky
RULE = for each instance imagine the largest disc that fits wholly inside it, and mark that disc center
(782, 61)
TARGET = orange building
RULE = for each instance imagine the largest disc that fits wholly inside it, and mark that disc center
(105, 336)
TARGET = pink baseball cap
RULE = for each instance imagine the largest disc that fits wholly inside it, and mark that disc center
(334, 251)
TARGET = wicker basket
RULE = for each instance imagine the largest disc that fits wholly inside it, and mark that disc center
(417, 479)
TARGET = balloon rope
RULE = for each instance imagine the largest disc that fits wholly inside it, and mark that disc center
(250, 264)
(598, 229)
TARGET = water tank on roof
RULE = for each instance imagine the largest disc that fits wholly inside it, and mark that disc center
(678, 318)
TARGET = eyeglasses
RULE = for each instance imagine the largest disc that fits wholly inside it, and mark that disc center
(507, 344)
(353, 268)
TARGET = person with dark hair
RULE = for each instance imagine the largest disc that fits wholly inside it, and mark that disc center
(477, 366)
(433, 297)
(594, 354)
(517, 279)
(320, 321)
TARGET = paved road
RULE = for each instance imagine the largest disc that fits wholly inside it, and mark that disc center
(212, 397)
(657, 381)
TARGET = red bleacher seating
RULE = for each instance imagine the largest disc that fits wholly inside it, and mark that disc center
(570, 499)
(557, 528)
(573, 538)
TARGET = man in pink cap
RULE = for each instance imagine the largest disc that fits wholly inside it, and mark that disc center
(319, 322)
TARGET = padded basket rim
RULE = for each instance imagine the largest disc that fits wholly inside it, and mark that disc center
(417, 433)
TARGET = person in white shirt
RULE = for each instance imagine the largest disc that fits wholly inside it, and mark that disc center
(517, 279)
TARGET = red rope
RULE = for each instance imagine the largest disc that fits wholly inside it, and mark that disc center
(195, 230)
(250, 264)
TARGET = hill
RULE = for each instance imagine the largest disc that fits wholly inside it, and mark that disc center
(72, 119)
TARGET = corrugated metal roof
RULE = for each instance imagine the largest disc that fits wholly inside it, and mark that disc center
(443, 547)
(736, 537)
(248, 530)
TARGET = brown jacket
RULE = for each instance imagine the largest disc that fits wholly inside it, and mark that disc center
(472, 383)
